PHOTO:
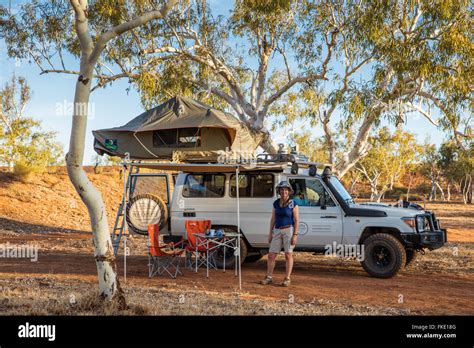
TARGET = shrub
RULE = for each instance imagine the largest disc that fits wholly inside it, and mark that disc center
(23, 171)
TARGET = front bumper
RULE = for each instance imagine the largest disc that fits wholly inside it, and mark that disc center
(428, 239)
(429, 233)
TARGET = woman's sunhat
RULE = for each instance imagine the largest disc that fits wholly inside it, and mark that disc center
(285, 184)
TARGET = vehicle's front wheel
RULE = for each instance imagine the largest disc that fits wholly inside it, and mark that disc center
(384, 256)
(229, 252)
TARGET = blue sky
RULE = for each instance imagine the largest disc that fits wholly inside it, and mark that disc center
(112, 106)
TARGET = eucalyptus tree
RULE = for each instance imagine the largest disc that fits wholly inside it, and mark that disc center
(457, 167)
(391, 155)
(22, 139)
(43, 31)
(399, 58)
(430, 168)
(344, 66)
(388, 61)
(244, 61)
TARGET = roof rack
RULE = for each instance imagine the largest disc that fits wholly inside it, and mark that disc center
(282, 158)
(294, 160)
(289, 158)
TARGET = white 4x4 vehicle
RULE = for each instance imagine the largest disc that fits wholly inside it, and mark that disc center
(390, 236)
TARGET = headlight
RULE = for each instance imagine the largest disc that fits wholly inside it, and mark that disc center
(410, 222)
(420, 223)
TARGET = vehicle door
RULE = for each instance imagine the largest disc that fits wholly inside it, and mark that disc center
(320, 216)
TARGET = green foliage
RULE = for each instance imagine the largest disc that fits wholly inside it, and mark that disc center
(356, 106)
(375, 56)
(429, 41)
(455, 162)
(22, 141)
(28, 144)
(391, 156)
(262, 17)
(314, 149)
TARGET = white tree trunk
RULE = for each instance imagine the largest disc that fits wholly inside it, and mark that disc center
(433, 190)
(380, 194)
(109, 286)
(268, 145)
(441, 190)
(361, 143)
(374, 193)
(471, 194)
(353, 185)
(409, 187)
(378, 197)
(359, 149)
(102, 243)
(466, 189)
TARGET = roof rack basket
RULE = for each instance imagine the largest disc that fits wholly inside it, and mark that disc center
(293, 159)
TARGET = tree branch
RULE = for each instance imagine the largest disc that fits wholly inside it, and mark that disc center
(123, 27)
(290, 84)
(427, 115)
(285, 60)
(220, 93)
(435, 100)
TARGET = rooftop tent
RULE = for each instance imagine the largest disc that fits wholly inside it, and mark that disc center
(181, 128)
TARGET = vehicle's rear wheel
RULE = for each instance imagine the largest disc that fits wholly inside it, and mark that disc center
(384, 257)
(229, 252)
(412, 255)
(146, 209)
(253, 258)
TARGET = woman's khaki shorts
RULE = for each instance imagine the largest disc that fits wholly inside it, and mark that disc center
(281, 237)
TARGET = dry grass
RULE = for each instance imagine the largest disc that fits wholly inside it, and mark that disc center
(457, 218)
(454, 258)
(48, 296)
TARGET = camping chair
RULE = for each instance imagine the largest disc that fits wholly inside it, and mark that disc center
(192, 227)
(163, 257)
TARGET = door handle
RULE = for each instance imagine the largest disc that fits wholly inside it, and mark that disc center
(328, 217)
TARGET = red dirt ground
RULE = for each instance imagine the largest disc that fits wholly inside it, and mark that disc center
(47, 211)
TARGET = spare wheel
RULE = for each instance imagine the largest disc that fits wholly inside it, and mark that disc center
(146, 209)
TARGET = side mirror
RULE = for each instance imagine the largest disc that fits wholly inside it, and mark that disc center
(323, 202)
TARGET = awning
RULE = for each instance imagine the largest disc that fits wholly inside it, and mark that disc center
(210, 168)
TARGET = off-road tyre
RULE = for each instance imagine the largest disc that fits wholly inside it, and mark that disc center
(384, 255)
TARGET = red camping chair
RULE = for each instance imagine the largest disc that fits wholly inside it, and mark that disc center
(192, 227)
(163, 257)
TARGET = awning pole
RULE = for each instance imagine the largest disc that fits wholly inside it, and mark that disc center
(238, 226)
(127, 171)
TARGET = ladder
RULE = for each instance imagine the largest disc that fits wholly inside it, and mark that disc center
(119, 225)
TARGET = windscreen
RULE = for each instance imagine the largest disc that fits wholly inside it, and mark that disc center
(341, 189)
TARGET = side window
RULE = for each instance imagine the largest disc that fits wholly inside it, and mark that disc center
(204, 185)
(308, 192)
(252, 185)
(177, 137)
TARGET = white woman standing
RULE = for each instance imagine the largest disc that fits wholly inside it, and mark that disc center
(283, 232)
